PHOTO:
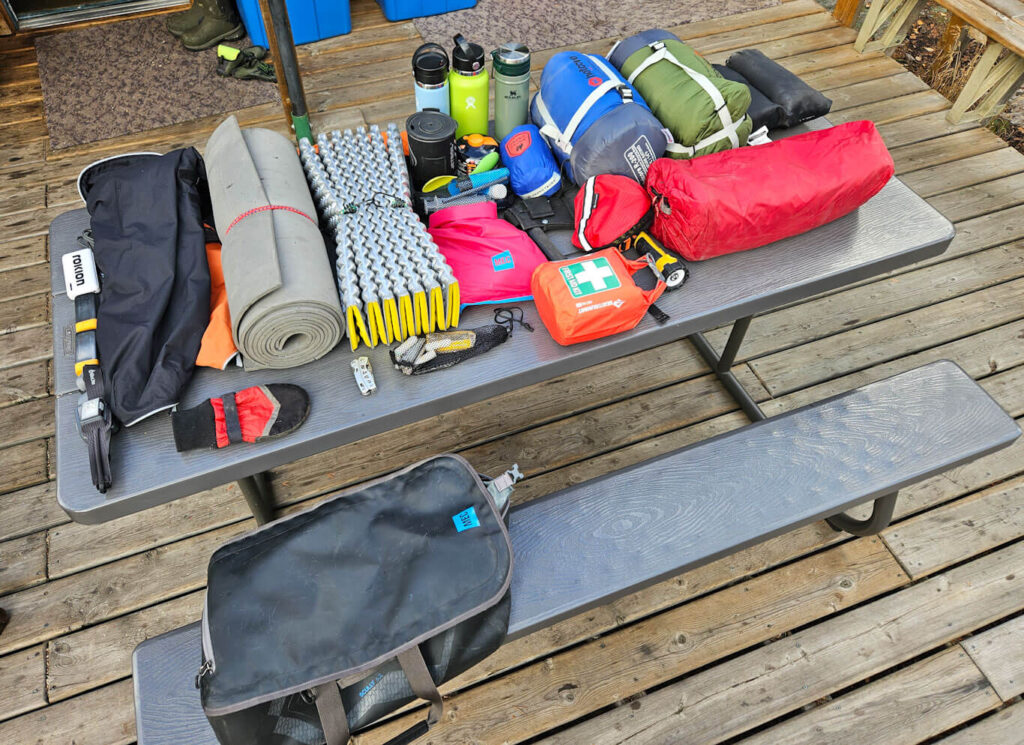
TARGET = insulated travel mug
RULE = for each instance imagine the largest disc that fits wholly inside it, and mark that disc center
(469, 88)
(430, 73)
(431, 146)
(511, 87)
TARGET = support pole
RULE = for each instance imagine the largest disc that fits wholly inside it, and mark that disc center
(259, 497)
(721, 366)
(289, 82)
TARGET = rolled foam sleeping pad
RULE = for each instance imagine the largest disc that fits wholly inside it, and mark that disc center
(283, 300)
(763, 111)
(799, 101)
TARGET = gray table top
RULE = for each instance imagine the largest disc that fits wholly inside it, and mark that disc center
(893, 229)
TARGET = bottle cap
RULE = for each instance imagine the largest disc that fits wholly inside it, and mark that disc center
(467, 58)
(430, 64)
(430, 125)
(511, 58)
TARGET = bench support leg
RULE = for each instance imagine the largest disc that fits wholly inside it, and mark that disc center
(900, 15)
(259, 496)
(881, 515)
(721, 365)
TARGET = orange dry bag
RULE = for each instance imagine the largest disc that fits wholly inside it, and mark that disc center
(591, 296)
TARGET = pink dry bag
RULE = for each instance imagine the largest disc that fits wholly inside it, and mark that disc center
(492, 259)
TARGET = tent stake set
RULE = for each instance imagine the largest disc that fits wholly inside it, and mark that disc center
(393, 281)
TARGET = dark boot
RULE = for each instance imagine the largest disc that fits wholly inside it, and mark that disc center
(220, 23)
(179, 23)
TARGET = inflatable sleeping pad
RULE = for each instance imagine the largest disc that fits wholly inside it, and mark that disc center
(594, 121)
(704, 112)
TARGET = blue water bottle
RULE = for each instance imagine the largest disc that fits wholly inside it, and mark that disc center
(430, 71)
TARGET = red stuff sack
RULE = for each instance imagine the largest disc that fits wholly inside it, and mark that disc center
(751, 196)
(609, 210)
(591, 296)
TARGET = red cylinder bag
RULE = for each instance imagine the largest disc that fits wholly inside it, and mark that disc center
(751, 196)
(609, 210)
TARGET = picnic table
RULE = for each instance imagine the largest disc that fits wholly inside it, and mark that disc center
(894, 229)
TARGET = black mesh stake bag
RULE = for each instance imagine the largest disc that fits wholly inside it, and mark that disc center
(320, 623)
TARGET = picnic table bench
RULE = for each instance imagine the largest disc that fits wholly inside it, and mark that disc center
(624, 530)
(998, 73)
(634, 527)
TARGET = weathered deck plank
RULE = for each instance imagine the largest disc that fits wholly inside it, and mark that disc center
(65, 657)
(999, 653)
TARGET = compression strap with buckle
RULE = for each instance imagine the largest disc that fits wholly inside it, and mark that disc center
(94, 419)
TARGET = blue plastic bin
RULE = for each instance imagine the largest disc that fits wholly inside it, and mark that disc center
(403, 10)
(311, 20)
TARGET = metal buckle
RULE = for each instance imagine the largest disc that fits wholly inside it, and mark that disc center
(91, 410)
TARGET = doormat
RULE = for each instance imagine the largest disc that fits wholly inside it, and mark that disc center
(542, 24)
(130, 76)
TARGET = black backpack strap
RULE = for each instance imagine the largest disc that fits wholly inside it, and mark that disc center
(332, 713)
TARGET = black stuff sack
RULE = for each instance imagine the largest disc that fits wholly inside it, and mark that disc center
(799, 101)
(147, 215)
(762, 111)
(320, 623)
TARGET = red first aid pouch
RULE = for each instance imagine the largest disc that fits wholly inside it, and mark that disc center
(591, 296)
(609, 211)
(751, 196)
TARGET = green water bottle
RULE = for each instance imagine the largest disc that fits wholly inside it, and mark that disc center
(511, 87)
(470, 87)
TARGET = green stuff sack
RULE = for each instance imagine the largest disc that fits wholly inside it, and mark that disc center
(704, 112)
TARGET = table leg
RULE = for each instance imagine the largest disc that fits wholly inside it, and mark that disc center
(881, 515)
(721, 365)
(259, 496)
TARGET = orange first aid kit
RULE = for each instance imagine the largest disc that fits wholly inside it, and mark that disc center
(591, 296)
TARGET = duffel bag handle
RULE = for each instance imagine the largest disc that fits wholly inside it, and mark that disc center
(334, 720)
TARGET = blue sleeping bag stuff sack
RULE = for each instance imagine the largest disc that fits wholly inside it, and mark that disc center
(532, 168)
(594, 121)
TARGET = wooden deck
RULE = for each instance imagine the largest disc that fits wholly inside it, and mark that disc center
(809, 638)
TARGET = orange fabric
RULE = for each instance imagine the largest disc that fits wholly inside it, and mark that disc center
(218, 346)
(254, 412)
(590, 297)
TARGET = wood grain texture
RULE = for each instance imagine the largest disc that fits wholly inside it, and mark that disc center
(22, 562)
(24, 312)
(22, 252)
(921, 128)
(983, 198)
(23, 383)
(1004, 726)
(585, 677)
(879, 342)
(28, 421)
(69, 603)
(904, 708)
(966, 528)
(876, 301)
(24, 465)
(639, 525)
(959, 146)
(102, 717)
(20, 675)
(754, 688)
(999, 653)
(29, 510)
(957, 173)
(102, 654)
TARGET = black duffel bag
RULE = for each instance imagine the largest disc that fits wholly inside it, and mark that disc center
(320, 623)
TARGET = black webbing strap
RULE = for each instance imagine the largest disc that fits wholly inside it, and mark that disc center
(234, 426)
(332, 714)
(95, 424)
(658, 314)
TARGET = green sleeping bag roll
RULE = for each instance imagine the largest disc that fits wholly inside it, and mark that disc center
(704, 112)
